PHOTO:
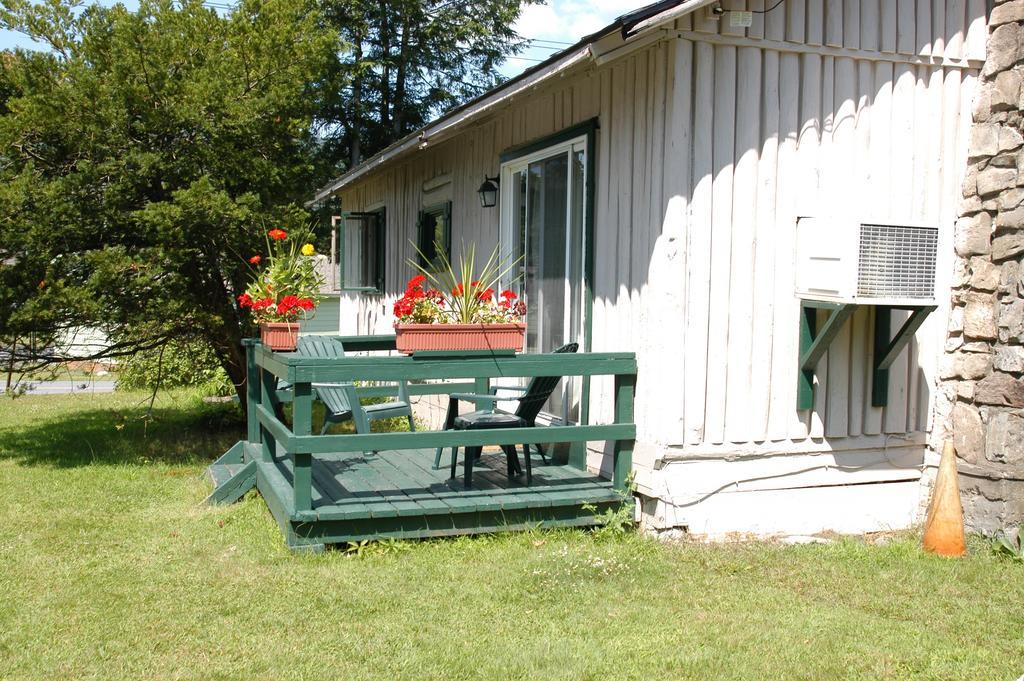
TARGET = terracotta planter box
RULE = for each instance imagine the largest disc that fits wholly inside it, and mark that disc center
(280, 335)
(410, 338)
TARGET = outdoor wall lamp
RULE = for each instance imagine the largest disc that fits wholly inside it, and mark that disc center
(489, 192)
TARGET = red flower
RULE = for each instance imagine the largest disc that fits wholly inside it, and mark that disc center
(287, 304)
(435, 295)
(255, 260)
(520, 308)
(262, 304)
(305, 304)
(277, 234)
(415, 282)
(458, 290)
(486, 294)
(244, 300)
(404, 307)
(508, 295)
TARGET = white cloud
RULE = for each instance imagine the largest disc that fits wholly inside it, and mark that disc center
(564, 21)
(570, 20)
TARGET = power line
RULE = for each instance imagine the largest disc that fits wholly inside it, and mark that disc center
(559, 43)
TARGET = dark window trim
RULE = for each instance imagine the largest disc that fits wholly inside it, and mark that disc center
(381, 218)
(586, 128)
(442, 208)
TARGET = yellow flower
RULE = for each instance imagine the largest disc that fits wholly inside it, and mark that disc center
(308, 249)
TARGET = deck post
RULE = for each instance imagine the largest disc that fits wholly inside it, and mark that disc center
(622, 458)
(302, 424)
(252, 390)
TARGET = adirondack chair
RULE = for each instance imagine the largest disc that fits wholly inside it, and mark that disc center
(341, 400)
(525, 416)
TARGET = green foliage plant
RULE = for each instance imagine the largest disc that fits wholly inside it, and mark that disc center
(618, 521)
(289, 285)
(142, 158)
(1009, 544)
(180, 363)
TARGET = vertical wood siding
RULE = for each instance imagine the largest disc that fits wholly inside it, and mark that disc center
(951, 29)
(708, 151)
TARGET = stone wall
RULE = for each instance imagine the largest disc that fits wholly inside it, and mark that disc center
(981, 397)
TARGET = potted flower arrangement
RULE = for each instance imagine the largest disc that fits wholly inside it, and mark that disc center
(449, 310)
(285, 289)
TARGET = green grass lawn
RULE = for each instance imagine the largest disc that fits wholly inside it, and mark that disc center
(110, 567)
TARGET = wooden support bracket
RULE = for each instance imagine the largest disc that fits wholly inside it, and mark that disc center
(814, 344)
(888, 349)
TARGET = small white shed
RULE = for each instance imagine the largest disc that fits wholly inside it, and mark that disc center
(656, 176)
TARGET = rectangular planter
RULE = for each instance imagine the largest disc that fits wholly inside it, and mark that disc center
(280, 336)
(410, 338)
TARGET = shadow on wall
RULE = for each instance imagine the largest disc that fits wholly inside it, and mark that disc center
(696, 237)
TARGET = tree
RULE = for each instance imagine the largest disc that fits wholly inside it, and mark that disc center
(406, 61)
(143, 158)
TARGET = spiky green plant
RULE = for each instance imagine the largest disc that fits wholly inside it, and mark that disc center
(464, 290)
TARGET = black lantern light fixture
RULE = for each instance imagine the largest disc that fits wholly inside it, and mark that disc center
(489, 192)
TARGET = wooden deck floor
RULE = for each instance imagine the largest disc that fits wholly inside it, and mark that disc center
(399, 494)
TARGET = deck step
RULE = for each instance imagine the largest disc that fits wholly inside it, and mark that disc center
(221, 473)
(230, 481)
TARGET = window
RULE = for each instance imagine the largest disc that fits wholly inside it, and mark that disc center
(434, 235)
(362, 251)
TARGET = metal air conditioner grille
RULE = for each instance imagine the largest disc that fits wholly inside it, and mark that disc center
(897, 261)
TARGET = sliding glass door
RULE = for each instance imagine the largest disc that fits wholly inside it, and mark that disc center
(542, 223)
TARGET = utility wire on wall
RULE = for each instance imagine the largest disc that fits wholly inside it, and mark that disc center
(722, 10)
(769, 9)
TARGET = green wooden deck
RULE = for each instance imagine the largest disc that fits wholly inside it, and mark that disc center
(397, 494)
(334, 489)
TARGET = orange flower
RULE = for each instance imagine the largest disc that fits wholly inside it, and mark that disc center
(277, 234)
(255, 260)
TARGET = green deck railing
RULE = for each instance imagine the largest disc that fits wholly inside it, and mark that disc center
(266, 367)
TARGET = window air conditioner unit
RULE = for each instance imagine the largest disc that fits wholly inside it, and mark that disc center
(869, 263)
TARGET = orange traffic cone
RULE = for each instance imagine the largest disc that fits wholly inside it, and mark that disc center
(944, 529)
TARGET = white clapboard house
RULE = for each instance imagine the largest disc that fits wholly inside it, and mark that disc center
(709, 184)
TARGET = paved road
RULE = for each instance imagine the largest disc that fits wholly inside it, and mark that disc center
(65, 387)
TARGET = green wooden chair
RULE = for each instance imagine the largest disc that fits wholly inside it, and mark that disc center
(340, 399)
(525, 416)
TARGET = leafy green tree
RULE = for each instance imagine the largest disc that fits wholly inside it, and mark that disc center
(143, 158)
(405, 62)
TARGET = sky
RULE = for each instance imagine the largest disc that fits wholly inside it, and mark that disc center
(559, 23)
(552, 26)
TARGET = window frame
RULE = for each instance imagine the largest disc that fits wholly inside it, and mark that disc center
(584, 132)
(379, 216)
